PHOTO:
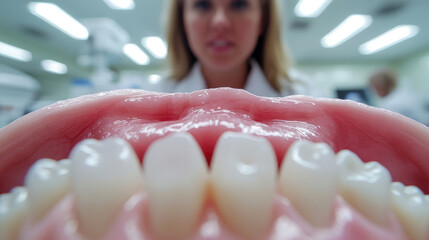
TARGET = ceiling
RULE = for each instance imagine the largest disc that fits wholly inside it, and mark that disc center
(20, 28)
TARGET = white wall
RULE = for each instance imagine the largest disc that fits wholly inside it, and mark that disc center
(54, 87)
(328, 77)
(60, 87)
(415, 71)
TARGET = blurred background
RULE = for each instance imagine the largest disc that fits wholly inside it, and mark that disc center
(110, 44)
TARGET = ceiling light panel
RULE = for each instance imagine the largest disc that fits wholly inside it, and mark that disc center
(351, 26)
(120, 4)
(53, 66)
(58, 18)
(156, 46)
(311, 8)
(154, 79)
(15, 53)
(136, 54)
(389, 38)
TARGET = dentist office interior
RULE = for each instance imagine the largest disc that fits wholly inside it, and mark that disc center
(51, 51)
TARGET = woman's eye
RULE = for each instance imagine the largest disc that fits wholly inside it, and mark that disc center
(203, 5)
(239, 4)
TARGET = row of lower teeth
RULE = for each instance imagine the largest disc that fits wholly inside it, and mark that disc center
(243, 182)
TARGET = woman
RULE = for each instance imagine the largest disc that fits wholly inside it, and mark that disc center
(227, 43)
(396, 98)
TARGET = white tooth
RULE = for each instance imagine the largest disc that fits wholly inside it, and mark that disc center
(175, 173)
(47, 182)
(412, 209)
(244, 183)
(104, 175)
(13, 209)
(309, 178)
(366, 186)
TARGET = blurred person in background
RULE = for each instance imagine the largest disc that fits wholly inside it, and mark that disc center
(228, 43)
(397, 98)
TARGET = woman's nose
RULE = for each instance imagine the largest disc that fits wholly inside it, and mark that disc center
(220, 19)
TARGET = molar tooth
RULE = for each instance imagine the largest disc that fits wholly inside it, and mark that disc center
(175, 173)
(412, 209)
(309, 178)
(13, 209)
(47, 182)
(244, 183)
(366, 186)
(104, 175)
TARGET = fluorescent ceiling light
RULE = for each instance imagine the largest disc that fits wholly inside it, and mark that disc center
(15, 52)
(53, 66)
(156, 46)
(351, 26)
(55, 16)
(389, 38)
(311, 8)
(136, 54)
(154, 79)
(120, 4)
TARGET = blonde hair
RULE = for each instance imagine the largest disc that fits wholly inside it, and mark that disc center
(269, 51)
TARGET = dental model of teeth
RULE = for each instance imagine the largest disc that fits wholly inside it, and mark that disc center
(102, 192)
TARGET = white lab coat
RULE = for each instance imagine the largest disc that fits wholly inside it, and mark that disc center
(404, 101)
(256, 82)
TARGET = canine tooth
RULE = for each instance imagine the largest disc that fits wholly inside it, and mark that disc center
(176, 181)
(309, 178)
(412, 209)
(244, 183)
(47, 182)
(13, 209)
(366, 186)
(104, 174)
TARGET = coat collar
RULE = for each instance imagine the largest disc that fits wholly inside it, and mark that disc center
(256, 82)
(193, 82)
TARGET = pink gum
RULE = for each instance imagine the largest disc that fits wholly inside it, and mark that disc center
(132, 223)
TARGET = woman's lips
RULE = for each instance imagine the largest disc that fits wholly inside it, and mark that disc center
(220, 45)
(141, 117)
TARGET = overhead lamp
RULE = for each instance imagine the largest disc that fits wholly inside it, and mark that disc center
(394, 36)
(351, 26)
(156, 46)
(154, 79)
(15, 53)
(311, 8)
(136, 54)
(53, 66)
(120, 4)
(58, 18)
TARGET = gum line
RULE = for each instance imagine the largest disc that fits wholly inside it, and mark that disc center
(337, 122)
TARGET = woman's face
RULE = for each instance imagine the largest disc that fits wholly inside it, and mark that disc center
(222, 34)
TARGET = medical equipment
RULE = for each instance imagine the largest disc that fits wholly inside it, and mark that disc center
(17, 92)
(103, 48)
